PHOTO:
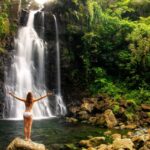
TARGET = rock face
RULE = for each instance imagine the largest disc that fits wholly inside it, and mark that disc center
(20, 144)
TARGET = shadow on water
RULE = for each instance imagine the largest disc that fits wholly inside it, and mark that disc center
(48, 132)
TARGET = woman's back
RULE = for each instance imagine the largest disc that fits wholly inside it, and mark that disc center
(28, 106)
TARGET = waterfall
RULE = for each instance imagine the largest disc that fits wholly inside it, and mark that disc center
(27, 73)
(60, 107)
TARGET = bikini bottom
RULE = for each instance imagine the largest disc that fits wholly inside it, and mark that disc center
(27, 114)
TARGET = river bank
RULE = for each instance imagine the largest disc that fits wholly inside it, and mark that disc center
(123, 115)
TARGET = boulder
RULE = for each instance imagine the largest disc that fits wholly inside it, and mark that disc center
(130, 133)
(107, 132)
(74, 109)
(123, 144)
(92, 142)
(139, 138)
(101, 120)
(97, 139)
(83, 115)
(110, 118)
(104, 105)
(87, 106)
(131, 126)
(21, 144)
(85, 143)
(122, 126)
(116, 136)
(104, 147)
(145, 107)
(91, 100)
(91, 148)
(110, 147)
(148, 131)
(71, 120)
(92, 120)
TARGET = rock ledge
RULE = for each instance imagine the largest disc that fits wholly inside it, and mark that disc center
(21, 144)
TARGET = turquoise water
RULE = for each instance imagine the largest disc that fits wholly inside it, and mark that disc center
(49, 132)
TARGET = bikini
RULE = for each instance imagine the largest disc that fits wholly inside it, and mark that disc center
(27, 114)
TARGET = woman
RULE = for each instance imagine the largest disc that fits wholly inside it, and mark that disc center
(29, 101)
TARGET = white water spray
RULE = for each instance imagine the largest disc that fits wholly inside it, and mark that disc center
(27, 73)
(60, 107)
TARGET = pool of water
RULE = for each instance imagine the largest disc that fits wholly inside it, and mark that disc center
(49, 132)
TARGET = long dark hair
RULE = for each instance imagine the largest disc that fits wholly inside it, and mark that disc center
(29, 98)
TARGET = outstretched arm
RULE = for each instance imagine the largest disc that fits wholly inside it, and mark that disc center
(21, 99)
(48, 94)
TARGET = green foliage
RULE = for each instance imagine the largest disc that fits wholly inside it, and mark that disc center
(119, 8)
(95, 12)
(4, 24)
(132, 103)
(116, 108)
(4, 29)
(144, 20)
(139, 96)
(129, 115)
(140, 45)
(8, 25)
(104, 84)
(110, 47)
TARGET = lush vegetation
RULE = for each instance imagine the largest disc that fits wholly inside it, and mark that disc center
(6, 25)
(110, 47)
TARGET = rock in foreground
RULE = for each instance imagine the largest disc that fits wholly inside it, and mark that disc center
(20, 144)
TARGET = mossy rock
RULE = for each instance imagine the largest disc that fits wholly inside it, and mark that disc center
(71, 146)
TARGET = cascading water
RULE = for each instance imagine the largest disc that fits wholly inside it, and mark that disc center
(27, 73)
(60, 107)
